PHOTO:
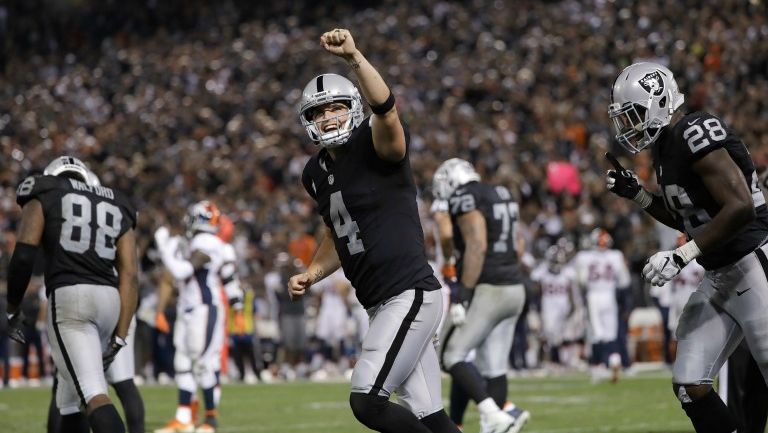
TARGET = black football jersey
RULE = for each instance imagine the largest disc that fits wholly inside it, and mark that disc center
(370, 207)
(501, 214)
(685, 194)
(82, 226)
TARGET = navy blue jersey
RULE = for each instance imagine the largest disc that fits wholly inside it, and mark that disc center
(82, 226)
(686, 196)
(501, 213)
(369, 205)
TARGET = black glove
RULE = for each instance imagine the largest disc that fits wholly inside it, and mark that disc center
(115, 344)
(621, 181)
(15, 323)
(460, 294)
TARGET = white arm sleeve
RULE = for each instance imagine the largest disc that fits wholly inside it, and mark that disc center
(180, 269)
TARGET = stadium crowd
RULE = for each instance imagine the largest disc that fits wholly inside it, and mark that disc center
(174, 107)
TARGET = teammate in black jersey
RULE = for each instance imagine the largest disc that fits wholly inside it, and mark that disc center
(484, 219)
(362, 182)
(86, 233)
(709, 190)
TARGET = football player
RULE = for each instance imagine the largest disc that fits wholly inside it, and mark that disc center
(558, 287)
(86, 232)
(458, 398)
(603, 274)
(484, 220)
(197, 330)
(119, 374)
(362, 182)
(710, 191)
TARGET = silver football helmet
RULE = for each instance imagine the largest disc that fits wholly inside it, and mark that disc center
(323, 90)
(643, 99)
(73, 167)
(452, 174)
(202, 216)
(93, 180)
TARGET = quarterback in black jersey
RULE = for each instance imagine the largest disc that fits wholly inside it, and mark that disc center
(484, 220)
(362, 183)
(87, 235)
(708, 190)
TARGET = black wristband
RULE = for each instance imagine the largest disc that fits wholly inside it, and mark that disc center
(20, 271)
(384, 107)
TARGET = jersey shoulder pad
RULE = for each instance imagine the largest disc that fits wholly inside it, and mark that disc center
(228, 252)
(699, 133)
(465, 199)
(439, 205)
(207, 243)
(306, 175)
(128, 208)
(34, 186)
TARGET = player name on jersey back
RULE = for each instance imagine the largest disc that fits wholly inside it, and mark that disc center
(83, 224)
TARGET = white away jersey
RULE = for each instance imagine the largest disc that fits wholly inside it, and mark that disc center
(204, 286)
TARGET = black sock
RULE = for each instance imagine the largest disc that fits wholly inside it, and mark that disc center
(710, 415)
(459, 402)
(133, 405)
(439, 422)
(105, 419)
(74, 423)
(467, 376)
(54, 417)
(378, 413)
(497, 388)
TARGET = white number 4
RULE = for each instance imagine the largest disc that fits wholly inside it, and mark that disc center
(344, 226)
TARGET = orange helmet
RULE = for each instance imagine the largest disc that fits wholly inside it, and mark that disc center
(226, 228)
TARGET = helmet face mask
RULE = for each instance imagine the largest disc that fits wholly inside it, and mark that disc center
(71, 167)
(318, 94)
(452, 174)
(643, 100)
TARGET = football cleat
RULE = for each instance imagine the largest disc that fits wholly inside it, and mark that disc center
(497, 422)
(176, 426)
(205, 428)
(521, 417)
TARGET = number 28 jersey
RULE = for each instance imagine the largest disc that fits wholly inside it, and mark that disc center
(685, 194)
(82, 226)
(501, 214)
(370, 207)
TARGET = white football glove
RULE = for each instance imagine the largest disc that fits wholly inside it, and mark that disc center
(662, 267)
(458, 314)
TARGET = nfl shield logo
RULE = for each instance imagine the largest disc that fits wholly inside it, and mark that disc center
(330, 179)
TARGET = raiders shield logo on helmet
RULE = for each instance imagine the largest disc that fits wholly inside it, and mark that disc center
(652, 83)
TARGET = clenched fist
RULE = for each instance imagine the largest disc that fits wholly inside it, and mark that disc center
(298, 285)
(339, 42)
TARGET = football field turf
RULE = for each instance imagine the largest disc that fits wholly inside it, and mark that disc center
(640, 404)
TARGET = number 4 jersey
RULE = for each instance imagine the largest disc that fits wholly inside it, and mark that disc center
(370, 207)
(82, 226)
(687, 197)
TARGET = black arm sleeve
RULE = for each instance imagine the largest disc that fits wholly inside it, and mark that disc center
(20, 271)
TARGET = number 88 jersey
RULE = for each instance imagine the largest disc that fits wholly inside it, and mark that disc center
(501, 214)
(82, 226)
(685, 194)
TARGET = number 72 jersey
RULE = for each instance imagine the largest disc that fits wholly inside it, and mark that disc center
(687, 197)
(501, 215)
(82, 226)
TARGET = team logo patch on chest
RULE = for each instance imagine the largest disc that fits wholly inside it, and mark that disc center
(652, 83)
